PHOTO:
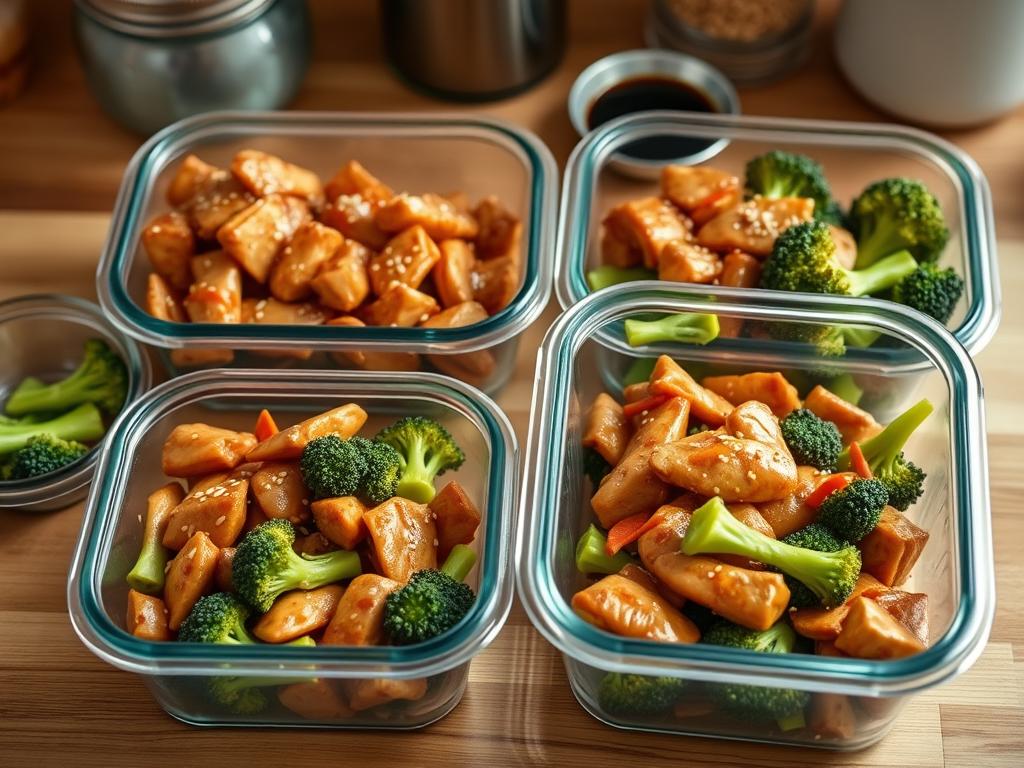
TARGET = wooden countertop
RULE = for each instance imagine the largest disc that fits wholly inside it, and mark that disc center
(60, 164)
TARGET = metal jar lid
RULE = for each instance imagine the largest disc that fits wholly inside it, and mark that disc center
(171, 18)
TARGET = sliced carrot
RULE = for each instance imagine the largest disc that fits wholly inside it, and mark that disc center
(639, 406)
(265, 426)
(857, 461)
(627, 530)
(826, 489)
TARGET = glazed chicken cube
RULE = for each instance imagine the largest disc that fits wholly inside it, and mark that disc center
(854, 424)
(456, 518)
(340, 519)
(189, 577)
(344, 281)
(474, 367)
(353, 216)
(404, 537)
(216, 505)
(216, 293)
(648, 224)
(846, 247)
(354, 179)
(753, 225)
(218, 198)
(754, 467)
(618, 253)
(188, 180)
(791, 512)
(367, 694)
(890, 551)
(256, 235)
(685, 262)
(668, 378)
(453, 272)
(437, 216)
(693, 188)
(824, 624)
(317, 700)
(624, 607)
(265, 174)
(908, 608)
(359, 617)
(500, 230)
(270, 311)
(632, 486)
(199, 449)
(870, 632)
(343, 421)
(607, 430)
(278, 488)
(147, 617)
(832, 717)
(297, 613)
(495, 282)
(407, 258)
(401, 306)
(369, 359)
(169, 244)
(772, 389)
(312, 246)
(161, 301)
(739, 270)
(190, 358)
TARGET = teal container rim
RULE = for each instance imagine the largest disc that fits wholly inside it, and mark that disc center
(545, 476)
(121, 244)
(596, 150)
(113, 644)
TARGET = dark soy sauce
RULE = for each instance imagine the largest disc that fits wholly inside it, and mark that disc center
(645, 93)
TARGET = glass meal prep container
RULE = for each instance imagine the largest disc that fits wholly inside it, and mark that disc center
(178, 675)
(43, 335)
(955, 569)
(852, 154)
(474, 155)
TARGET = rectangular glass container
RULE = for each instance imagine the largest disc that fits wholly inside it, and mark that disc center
(478, 156)
(853, 155)
(178, 675)
(955, 569)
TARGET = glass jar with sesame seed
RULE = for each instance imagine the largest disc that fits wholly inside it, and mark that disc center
(752, 41)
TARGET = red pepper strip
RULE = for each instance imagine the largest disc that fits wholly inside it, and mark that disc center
(265, 426)
(858, 462)
(647, 404)
(626, 531)
(826, 489)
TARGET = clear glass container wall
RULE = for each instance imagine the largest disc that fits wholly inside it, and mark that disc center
(442, 154)
(582, 355)
(179, 675)
(852, 154)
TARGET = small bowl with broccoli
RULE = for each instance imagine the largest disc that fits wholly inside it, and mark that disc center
(67, 375)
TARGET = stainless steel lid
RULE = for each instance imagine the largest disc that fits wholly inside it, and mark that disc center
(171, 18)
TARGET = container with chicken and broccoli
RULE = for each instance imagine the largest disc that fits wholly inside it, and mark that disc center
(830, 208)
(394, 243)
(325, 552)
(754, 545)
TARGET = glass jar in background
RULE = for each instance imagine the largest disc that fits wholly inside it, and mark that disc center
(151, 64)
(752, 41)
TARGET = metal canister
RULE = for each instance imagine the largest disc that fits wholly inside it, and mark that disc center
(472, 50)
(151, 62)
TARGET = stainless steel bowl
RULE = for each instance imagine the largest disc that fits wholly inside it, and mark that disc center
(610, 71)
(42, 336)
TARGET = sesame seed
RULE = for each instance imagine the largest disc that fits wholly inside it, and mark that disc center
(711, 574)
(220, 520)
(435, 542)
(140, 518)
(718, 568)
(195, 435)
(715, 489)
(184, 527)
(191, 554)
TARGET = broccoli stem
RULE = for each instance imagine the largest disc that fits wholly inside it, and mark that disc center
(683, 327)
(884, 239)
(639, 370)
(792, 722)
(881, 275)
(460, 562)
(591, 556)
(602, 277)
(81, 423)
(883, 448)
(312, 571)
(417, 480)
(860, 337)
(845, 386)
(148, 573)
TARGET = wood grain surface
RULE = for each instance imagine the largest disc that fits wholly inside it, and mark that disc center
(60, 164)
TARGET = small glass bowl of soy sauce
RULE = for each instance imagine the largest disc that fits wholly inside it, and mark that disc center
(644, 80)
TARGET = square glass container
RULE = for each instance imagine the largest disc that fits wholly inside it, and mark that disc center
(955, 569)
(478, 156)
(178, 675)
(852, 154)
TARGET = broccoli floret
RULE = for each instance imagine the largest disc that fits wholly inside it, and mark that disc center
(785, 174)
(432, 602)
(639, 370)
(607, 275)
(244, 695)
(930, 290)
(830, 575)
(803, 259)
(812, 440)
(44, 454)
(903, 479)
(827, 340)
(332, 467)
(638, 695)
(783, 705)
(101, 378)
(425, 450)
(862, 338)
(592, 556)
(383, 468)
(682, 327)
(265, 565)
(821, 539)
(81, 423)
(594, 466)
(854, 511)
(897, 215)
(832, 213)
(217, 618)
